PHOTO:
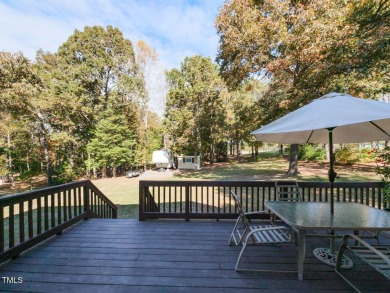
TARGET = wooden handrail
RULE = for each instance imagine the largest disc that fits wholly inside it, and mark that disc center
(212, 200)
(31, 217)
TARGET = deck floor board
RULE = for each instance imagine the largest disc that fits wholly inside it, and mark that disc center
(125, 255)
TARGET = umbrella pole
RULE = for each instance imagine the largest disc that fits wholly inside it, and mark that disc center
(331, 172)
(327, 255)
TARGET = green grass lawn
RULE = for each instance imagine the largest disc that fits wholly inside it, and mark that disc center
(124, 191)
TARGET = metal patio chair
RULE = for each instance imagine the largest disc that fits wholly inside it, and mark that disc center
(286, 191)
(378, 257)
(245, 234)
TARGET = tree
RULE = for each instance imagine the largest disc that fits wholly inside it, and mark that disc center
(113, 145)
(98, 72)
(195, 110)
(50, 108)
(23, 95)
(245, 111)
(146, 57)
(305, 48)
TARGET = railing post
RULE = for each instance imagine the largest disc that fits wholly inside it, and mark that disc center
(86, 201)
(1, 229)
(187, 203)
(141, 206)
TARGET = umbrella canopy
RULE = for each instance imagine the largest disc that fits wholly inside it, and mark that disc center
(333, 118)
(353, 120)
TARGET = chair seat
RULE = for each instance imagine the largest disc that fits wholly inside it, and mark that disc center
(277, 234)
(377, 257)
(245, 234)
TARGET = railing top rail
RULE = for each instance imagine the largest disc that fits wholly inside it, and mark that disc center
(29, 195)
(8, 199)
(101, 195)
(256, 183)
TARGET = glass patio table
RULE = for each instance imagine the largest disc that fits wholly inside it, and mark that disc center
(304, 216)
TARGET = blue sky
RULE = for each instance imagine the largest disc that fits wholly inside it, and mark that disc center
(174, 28)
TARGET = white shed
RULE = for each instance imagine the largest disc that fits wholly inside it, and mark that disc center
(188, 162)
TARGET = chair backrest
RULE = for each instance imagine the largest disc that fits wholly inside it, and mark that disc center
(287, 191)
(239, 209)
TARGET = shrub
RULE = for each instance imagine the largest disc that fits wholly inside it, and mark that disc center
(382, 159)
(64, 174)
(347, 154)
(309, 152)
(367, 155)
(221, 150)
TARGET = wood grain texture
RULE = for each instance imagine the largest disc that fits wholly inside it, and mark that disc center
(124, 255)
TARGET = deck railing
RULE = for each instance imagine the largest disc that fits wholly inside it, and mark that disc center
(212, 199)
(31, 217)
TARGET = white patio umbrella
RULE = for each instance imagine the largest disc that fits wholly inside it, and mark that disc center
(332, 118)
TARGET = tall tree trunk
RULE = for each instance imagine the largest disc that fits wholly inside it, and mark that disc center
(212, 154)
(28, 163)
(293, 166)
(104, 171)
(281, 150)
(256, 149)
(9, 159)
(114, 172)
(238, 145)
(89, 166)
(231, 147)
(46, 148)
(71, 155)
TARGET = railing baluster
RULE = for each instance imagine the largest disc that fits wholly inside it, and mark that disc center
(207, 199)
(46, 212)
(75, 202)
(213, 198)
(219, 199)
(21, 221)
(80, 203)
(69, 201)
(30, 220)
(59, 208)
(246, 198)
(39, 216)
(65, 205)
(170, 200)
(11, 225)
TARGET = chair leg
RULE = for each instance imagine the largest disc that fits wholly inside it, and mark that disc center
(239, 257)
(232, 237)
(273, 218)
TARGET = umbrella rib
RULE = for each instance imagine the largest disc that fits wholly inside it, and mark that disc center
(379, 128)
(311, 133)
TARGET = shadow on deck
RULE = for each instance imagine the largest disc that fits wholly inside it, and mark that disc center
(124, 255)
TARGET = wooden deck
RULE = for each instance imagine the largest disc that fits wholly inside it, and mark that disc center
(124, 255)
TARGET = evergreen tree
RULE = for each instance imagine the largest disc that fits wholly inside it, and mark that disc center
(113, 145)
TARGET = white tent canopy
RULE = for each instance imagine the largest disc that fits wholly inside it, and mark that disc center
(354, 120)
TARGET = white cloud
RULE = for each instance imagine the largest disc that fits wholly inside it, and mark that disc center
(174, 28)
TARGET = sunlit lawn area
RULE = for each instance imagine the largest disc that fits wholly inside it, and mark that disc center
(124, 191)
